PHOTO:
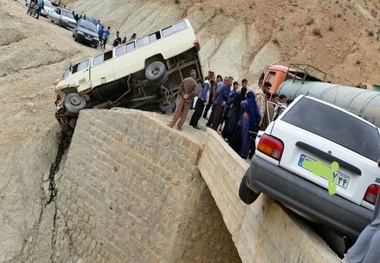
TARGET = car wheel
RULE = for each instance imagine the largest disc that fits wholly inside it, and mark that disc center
(74, 102)
(156, 72)
(246, 194)
(168, 108)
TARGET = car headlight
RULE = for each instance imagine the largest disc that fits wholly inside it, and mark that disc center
(80, 33)
(96, 38)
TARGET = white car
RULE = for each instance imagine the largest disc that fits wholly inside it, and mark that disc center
(322, 162)
(63, 17)
(48, 8)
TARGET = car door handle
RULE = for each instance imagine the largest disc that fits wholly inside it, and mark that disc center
(329, 157)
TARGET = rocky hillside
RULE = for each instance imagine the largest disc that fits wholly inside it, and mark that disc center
(242, 38)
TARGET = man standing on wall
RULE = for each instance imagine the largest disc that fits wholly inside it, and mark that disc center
(187, 91)
(261, 99)
(212, 93)
(219, 103)
(202, 101)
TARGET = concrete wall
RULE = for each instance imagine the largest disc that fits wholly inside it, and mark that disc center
(262, 232)
(130, 191)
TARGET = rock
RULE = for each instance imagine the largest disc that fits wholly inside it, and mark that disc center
(30, 106)
(56, 81)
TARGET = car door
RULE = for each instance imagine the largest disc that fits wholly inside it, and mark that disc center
(55, 15)
(80, 75)
(273, 111)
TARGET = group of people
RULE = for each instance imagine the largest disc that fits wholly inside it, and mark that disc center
(236, 112)
(105, 33)
(35, 7)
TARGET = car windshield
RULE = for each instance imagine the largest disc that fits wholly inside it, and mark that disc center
(88, 25)
(335, 125)
(67, 13)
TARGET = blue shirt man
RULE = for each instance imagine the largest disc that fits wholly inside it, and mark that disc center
(202, 101)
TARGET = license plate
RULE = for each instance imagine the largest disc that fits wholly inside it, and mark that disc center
(88, 38)
(342, 179)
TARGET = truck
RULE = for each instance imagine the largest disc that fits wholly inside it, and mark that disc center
(138, 74)
(297, 79)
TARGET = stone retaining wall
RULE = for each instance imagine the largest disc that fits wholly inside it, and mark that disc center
(262, 232)
(130, 191)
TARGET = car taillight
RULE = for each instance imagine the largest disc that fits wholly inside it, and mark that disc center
(271, 146)
(371, 193)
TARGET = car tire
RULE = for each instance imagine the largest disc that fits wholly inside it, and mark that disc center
(156, 73)
(246, 194)
(168, 108)
(74, 102)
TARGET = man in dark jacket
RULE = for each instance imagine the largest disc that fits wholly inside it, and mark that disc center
(219, 103)
(202, 101)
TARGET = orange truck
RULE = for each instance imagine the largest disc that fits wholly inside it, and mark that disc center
(297, 79)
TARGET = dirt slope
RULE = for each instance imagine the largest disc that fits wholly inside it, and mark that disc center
(242, 38)
(238, 38)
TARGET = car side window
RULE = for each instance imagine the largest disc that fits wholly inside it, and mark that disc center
(179, 26)
(120, 51)
(274, 110)
(154, 37)
(98, 60)
(130, 47)
(81, 66)
(142, 41)
(66, 73)
(167, 31)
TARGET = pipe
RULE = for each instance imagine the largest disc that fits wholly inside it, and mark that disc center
(364, 103)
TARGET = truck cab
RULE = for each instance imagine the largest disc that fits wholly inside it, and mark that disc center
(278, 74)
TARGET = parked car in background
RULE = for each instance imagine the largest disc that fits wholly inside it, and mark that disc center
(62, 17)
(322, 162)
(48, 8)
(85, 31)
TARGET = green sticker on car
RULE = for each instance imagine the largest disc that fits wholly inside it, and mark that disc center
(330, 173)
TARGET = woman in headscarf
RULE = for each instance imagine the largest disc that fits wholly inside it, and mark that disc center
(249, 119)
(233, 114)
